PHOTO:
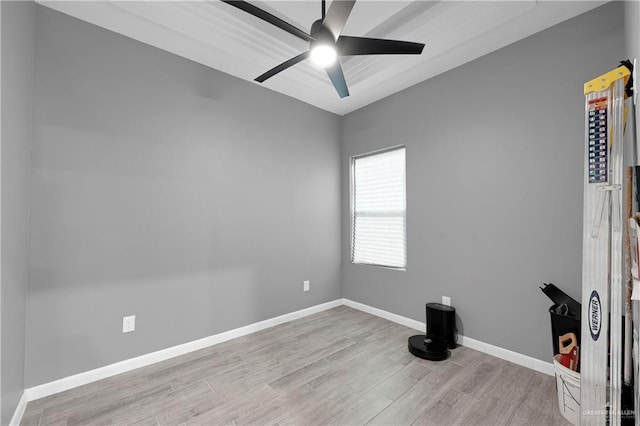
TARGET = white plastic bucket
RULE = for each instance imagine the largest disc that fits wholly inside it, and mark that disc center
(568, 387)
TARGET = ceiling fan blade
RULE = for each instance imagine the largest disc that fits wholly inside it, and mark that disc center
(337, 78)
(337, 16)
(266, 16)
(283, 66)
(349, 46)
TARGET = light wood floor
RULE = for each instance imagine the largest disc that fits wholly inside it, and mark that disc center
(341, 367)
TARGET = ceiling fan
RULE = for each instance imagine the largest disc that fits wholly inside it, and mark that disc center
(326, 43)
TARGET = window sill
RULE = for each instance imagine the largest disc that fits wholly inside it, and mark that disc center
(391, 268)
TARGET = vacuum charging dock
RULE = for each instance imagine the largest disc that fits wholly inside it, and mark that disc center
(441, 334)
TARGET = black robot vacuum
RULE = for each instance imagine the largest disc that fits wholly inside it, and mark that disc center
(441, 334)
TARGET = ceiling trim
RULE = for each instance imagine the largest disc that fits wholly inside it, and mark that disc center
(227, 39)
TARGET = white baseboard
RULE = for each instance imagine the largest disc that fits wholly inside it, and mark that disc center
(498, 352)
(80, 379)
(407, 322)
(17, 415)
(508, 355)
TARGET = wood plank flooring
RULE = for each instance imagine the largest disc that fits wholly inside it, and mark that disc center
(340, 367)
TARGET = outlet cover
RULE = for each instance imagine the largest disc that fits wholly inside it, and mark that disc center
(128, 324)
(446, 300)
(305, 286)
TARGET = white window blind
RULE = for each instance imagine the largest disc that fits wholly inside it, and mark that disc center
(379, 209)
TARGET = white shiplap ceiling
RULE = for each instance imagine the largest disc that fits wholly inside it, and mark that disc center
(227, 39)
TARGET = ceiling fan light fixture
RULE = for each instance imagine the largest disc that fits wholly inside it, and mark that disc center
(323, 55)
(326, 41)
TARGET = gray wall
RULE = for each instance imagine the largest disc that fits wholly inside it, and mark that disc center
(165, 189)
(18, 19)
(494, 182)
(632, 28)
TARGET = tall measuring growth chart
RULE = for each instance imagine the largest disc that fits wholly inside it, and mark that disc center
(604, 290)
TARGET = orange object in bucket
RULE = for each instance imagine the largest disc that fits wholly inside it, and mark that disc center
(568, 346)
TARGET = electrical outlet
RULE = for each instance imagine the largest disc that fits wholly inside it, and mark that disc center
(128, 324)
(446, 300)
(305, 286)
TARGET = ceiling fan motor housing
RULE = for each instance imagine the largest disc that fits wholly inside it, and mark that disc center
(321, 34)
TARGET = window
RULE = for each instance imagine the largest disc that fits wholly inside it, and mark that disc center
(378, 209)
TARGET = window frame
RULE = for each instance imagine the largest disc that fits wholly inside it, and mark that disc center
(352, 164)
